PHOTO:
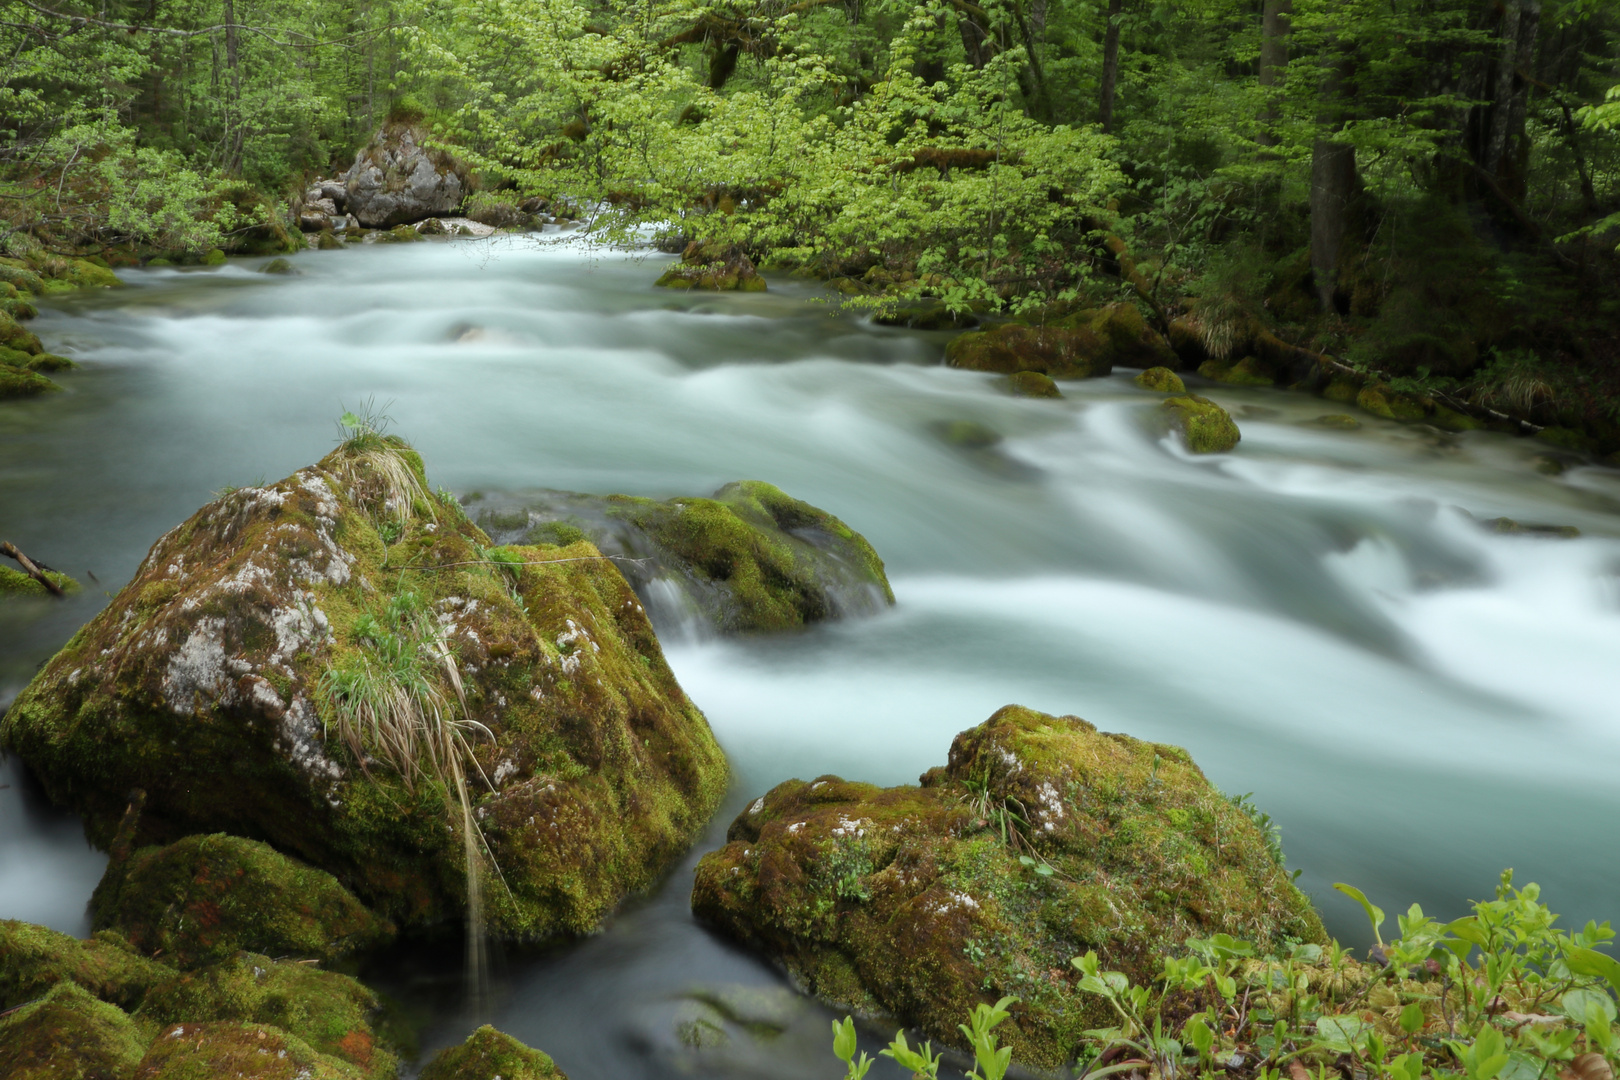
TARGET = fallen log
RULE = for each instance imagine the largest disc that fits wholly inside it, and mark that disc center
(32, 569)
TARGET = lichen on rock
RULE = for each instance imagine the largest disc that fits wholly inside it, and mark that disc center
(206, 682)
(921, 902)
(488, 1053)
(1204, 427)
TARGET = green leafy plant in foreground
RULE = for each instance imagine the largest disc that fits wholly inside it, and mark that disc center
(1499, 994)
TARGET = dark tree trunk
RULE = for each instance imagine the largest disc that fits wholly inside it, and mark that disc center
(1274, 29)
(1334, 184)
(1505, 145)
(722, 63)
(1110, 71)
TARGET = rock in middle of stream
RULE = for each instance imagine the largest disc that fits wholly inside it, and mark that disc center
(326, 663)
(749, 559)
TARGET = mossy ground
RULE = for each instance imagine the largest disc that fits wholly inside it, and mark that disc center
(916, 901)
(203, 683)
(205, 898)
(488, 1053)
(1204, 427)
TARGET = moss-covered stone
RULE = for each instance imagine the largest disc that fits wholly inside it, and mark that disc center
(1380, 400)
(1204, 427)
(19, 308)
(17, 583)
(1128, 340)
(212, 1051)
(36, 958)
(328, 241)
(84, 274)
(1249, 371)
(1451, 420)
(751, 558)
(1057, 352)
(48, 362)
(1343, 389)
(214, 257)
(204, 898)
(328, 1011)
(69, 1035)
(18, 273)
(205, 683)
(1033, 384)
(924, 901)
(13, 336)
(715, 267)
(1568, 438)
(967, 434)
(278, 266)
(1161, 380)
(488, 1053)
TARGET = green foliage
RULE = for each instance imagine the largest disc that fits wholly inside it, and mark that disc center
(844, 1046)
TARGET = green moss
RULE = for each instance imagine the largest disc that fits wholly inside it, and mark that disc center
(917, 901)
(84, 274)
(69, 1035)
(1204, 426)
(17, 273)
(278, 266)
(1451, 420)
(215, 257)
(19, 309)
(714, 267)
(1568, 438)
(489, 1053)
(15, 382)
(968, 434)
(204, 898)
(160, 261)
(1161, 380)
(1127, 339)
(328, 241)
(1336, 422)
(1033, 384)
(1342, 389)
(18, 583)
(1380, 400)
(211, 1051)
(50, 362)
(37, 958)
(602, 770)
(329, 1011)
(13, 336)
(1249, 371)
(1057, 352)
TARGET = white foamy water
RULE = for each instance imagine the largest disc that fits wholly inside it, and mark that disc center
(1320, 617)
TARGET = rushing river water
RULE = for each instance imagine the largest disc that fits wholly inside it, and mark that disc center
(1319, 617)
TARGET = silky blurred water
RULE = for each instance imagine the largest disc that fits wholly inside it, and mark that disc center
(1319, 617)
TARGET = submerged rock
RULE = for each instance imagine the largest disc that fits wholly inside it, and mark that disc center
(1033, 384)
(1161, 380)
(1204, 427)
(1042, 838)
(68, 1035)
(397, 178)
(487, 1054)
(219, 680)
(716, 267)
(1336, 421)
(206, 898)
(750, 559)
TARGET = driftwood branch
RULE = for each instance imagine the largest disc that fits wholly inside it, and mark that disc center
(31, 568)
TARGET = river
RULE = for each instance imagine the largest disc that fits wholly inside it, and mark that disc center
(1320, 617)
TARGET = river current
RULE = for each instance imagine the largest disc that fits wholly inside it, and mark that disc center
(1321, 617)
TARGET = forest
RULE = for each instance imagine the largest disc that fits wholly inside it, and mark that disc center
(1424, 193)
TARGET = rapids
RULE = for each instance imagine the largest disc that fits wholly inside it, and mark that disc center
(1319, 617)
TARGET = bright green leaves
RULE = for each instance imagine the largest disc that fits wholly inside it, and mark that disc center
(990, 1061)
(844, 1046)
(1375, 915)
(922, 1061)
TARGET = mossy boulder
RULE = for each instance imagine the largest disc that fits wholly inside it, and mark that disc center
(1343, 389)
(279, 266)
(35, 958)
(400, 176)
(1248, 371)
(1452, 420)
(750, 559)
(84, 274)
(1380, 400)
(13, 336)
(211, 1051)
(328, 241)
(204, 898)
(715, 267)
(487, 1054)
(1204, 427)
(1129, 340)
(214, 257)
(1161, 380)
(1057, 352)
(214, 680)
(328, 1011)
(921, 902)
(17, 273)
(69, 1035)
(1033, 384)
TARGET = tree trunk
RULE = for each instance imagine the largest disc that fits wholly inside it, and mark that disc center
(1334, 184)
(1110, 71)
(233, 94)
(1506, 150)
(1274, 29)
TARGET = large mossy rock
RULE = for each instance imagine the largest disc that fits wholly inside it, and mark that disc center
(750, 559)
(923, 901)
(397, 178)
(488, 1054)
(713, 267)
(35, 958)
(1127, 338)
(212, 682)
(221, 1049)
(1057, 352)
(69, 1035)
(1204, 427)
(205, 898)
